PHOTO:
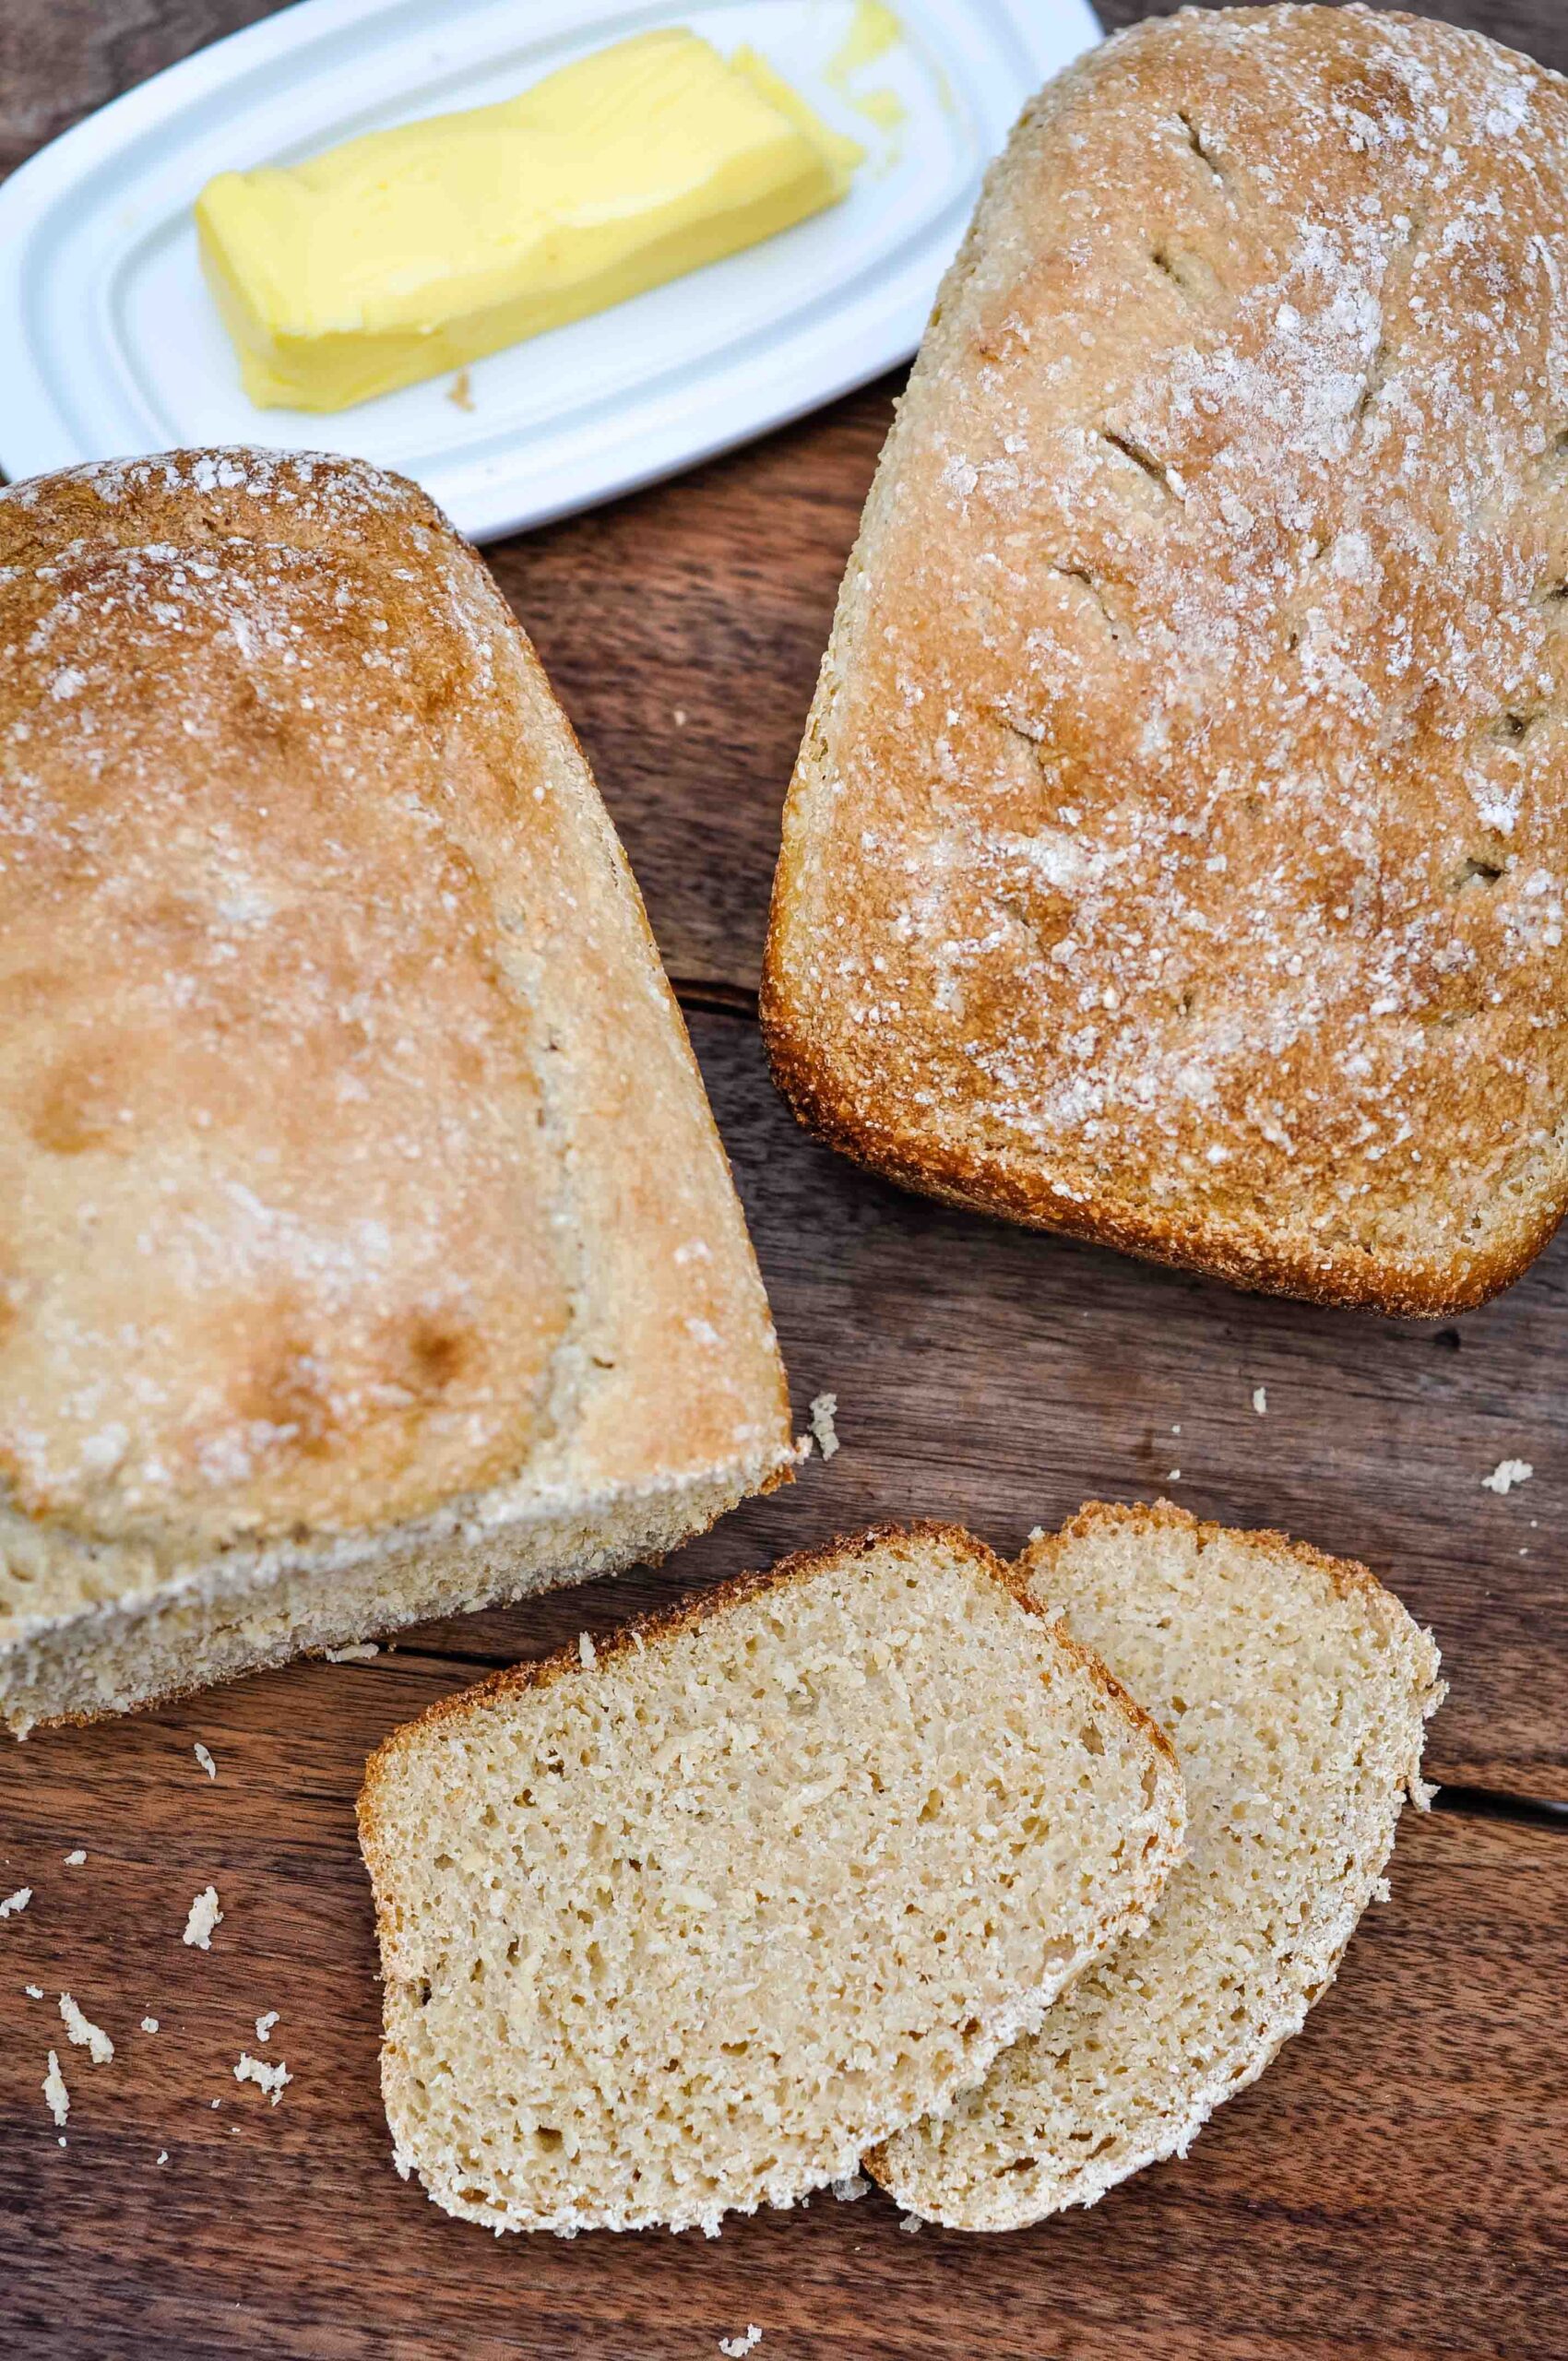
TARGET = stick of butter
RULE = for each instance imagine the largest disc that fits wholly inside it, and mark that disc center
(414, 251)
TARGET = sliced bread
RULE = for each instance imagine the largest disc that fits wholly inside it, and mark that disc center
(367, 1247)
(686, 1926)
(1294, 1689)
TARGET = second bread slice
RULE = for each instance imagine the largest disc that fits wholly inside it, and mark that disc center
(686, 1926)
(1295, 1688)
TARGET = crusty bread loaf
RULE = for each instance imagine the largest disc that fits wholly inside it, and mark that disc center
(1176, 855)
(682, 1929)
(366, 1248)
(1294, 1689)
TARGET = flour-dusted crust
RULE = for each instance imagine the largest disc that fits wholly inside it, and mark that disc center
(366, 1246)
(1176, 853)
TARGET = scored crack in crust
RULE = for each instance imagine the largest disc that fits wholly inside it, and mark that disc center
(367, 1247)
(1175, 855)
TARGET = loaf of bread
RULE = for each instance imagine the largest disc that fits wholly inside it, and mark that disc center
(1294, 1689)
(1177, 853)
(683, 1926)
(367, 1247)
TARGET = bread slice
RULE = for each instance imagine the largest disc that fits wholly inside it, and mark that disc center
(1175, 852)
(682, 1927)
(1294, 1689)
(367, 1247)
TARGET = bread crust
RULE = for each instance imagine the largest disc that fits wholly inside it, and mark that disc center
(361, 1200)
(1174, 859)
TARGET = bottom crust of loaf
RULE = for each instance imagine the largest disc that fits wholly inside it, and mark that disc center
(252, 1611)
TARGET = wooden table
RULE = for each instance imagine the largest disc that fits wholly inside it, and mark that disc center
(1393, 2187)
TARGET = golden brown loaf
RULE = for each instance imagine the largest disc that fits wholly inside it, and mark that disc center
(367, 1247)
(680, 1927)
(1177, 850)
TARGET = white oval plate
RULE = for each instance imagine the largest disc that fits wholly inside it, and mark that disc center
(114, 347)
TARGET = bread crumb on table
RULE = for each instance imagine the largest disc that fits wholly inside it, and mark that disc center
(737, 2345)
(73, 1861)
(270, 2079)
(149, 2024)
(360, 1653)
(264, 2025)
(823, 1411)
(204, 1916)
(15, 1902)
(1506, 1474)
(852, 2186)
(205, 1759)
(83, 2032)
(1260, 1399)
(163, 2155)
(54, 2091)
(33, 1991)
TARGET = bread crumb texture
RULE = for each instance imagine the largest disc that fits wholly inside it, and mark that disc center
(85, 2035)
(686, 1931)
(16, 1901)
(56, 2095)
(1177, 854)
(1507, 1474)
(204, 1916)
(270, 2078)
(824, 1415)
(1294, 1690)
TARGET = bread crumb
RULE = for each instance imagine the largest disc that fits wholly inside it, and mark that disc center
(266, 2078)
(360, 1652)
(54, 2091)
(1175, 1430)
(216, 2103)
(737, 2345)
(1506, 1474)
(1036, 1533)
(680, 712)
(204, 1916)
(1260, 1400)
(823, 1412)
(149, 2024)
(83, 2032)
(163, 2155)
(910, 2222)
(15, 1902)
(588, 1655)
(33, 1991)
(852, 2186)
(73, 1861)
(205, 1759)
(264, 2025)
(1173, 1475)
(459, 393)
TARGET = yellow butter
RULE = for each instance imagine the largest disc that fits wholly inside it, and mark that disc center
(414, 251)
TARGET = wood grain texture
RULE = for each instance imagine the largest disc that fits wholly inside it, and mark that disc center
(1390, 2189)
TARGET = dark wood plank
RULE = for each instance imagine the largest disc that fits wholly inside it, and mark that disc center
(1000, 1379)
(1390, 2189)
